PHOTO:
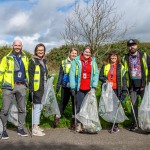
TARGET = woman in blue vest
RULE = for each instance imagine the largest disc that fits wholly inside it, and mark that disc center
(114, 72)
(37, 80)
(64, 83)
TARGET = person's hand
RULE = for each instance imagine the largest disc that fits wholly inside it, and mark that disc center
(142, 89)
(49, 76)
(105, 79)
(93, 90)
(73, 92)
(123, 96)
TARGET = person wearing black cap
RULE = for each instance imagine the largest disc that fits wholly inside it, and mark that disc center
(137, 65)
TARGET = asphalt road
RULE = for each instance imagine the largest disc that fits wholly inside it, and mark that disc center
(65, 139)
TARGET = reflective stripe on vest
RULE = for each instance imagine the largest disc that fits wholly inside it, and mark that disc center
(144, 60)
(37, 78)
(66, 66)
(107, 68)
(8, 62)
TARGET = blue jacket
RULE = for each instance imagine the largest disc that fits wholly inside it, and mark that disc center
(75, 73)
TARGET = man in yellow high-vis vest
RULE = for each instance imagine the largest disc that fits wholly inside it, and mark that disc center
(14, 80)
(137, 65)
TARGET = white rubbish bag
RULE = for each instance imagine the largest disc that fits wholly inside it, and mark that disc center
(49, 100)
(108, 105)
(144, 110)
(13, 113)
(88, 114)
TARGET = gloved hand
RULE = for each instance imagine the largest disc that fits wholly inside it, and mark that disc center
(73, 92)
(93, 89)
(105, 79)
(123, 96)
(49, 76)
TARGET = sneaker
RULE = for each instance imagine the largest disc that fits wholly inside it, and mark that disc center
(79, 128)
(116, 130)
(40, 129)
(5, 135)
(133, 128)
(37, 132)
(56, 122)
(21, 132)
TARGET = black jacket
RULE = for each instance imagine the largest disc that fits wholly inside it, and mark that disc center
(120, 89)
(37, 95)
(143, 82)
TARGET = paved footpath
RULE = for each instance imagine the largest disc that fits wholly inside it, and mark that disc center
(64, 139)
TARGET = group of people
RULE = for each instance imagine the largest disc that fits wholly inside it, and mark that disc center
(77, 76)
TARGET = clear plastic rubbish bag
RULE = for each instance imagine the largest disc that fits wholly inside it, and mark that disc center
(144, 110)
(108, 105)
(49, 100)
(88, 114)
(13, 113)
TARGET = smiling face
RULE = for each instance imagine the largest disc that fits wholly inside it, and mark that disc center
(113, 58)
(87, 54)
(132, 48)
(73, 54)
(40, 52)
(17, 47)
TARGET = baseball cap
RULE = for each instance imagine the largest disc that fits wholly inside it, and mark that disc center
(131, 42)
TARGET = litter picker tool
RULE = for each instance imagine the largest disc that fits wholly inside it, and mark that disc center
(115, 117)
(1, 127)
(132, 108)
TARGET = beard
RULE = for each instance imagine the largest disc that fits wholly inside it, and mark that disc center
(133, 51)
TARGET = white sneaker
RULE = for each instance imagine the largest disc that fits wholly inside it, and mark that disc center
(79, 128)
(40, 129)
(37, 132)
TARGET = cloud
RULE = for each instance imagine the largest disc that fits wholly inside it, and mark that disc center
(18, 20)
(3, 43)
(135, 16)
(36, 21)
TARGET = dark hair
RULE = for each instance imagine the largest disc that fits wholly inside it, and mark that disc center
(88, 47)
(113, 52)
(38, 45)
(73, 49)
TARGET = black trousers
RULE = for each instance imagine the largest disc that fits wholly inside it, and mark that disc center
(79, 98)
(65, 97)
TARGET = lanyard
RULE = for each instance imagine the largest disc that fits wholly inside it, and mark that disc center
(134, 61)
(84, 66)
(18, 60)
(111, 71)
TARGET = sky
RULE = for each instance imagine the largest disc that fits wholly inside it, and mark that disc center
(42, 21)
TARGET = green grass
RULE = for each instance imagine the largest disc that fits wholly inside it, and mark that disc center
(65, 121)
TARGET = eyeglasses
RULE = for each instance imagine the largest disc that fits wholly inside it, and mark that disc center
(40, 50)
(113, 58)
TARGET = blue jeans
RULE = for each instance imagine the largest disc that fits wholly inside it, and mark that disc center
(37, 113)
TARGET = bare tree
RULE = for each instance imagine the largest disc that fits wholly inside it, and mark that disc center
(95, 24)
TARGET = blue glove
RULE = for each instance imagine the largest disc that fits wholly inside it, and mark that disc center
(123, 101)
